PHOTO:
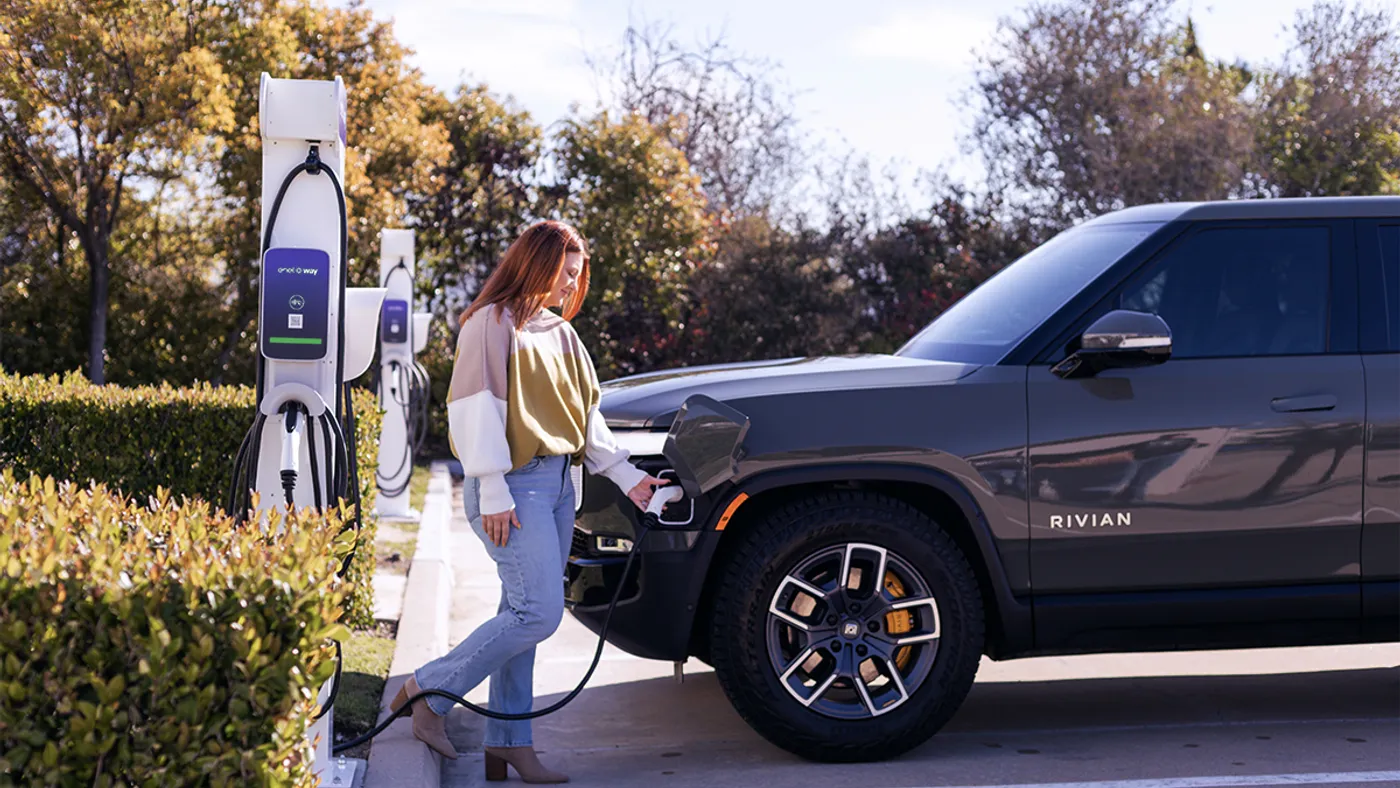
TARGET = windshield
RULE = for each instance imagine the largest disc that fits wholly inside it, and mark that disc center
(985, 324)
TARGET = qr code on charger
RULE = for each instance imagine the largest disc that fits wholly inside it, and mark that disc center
(294, 321)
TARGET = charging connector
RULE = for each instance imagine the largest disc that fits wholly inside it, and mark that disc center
(663, 497)
(291, 450)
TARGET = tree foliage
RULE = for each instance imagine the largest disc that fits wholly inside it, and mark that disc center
(1330, 120)
(632, 194)
(722, 110)
(769, 293)
(1088, 106)
(91, 102)
(483, 194)
(909, 273)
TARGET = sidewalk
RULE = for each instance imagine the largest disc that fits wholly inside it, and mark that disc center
(396, 757)
(560, 663)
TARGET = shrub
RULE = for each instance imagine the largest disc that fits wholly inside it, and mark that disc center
(159, 644)
(359, 604)
(140, 439)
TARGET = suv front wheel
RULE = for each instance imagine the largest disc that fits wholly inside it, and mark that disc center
(846, 627)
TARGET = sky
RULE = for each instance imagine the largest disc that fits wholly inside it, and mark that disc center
(879, 78)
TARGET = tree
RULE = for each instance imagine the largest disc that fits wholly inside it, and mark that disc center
(633, 196)
(42, 286)
(1088, 106)
(91, 103)
(166, 316)
(481, 197)
(1330, 116)
(906, 275)
(722, 110)
(770, 293)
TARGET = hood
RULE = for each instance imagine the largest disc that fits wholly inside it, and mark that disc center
(651, 399)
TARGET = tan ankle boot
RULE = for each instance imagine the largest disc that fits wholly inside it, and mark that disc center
(526, 763)
(428, 727)
(400, 699)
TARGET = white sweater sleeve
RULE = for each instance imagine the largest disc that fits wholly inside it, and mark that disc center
(602, 455)
(476, 405)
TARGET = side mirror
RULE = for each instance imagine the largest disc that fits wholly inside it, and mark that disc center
(1120, 339)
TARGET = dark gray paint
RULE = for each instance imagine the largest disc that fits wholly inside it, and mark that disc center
(910, 425)
(1284, 208)
(651, 400)
(1380, 541)
(1222, 489)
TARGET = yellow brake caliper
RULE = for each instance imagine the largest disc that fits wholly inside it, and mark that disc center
(898, 622)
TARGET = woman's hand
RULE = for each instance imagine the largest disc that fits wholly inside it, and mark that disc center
(497, 526)
(641, 494)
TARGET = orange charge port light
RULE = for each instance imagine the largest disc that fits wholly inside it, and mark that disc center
(729, 510)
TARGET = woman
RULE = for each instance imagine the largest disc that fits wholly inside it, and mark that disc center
(522, 407)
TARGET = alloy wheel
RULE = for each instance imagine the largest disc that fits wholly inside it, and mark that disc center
(852, 631)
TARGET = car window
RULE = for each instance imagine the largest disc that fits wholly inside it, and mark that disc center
(1390, 283)
(1240, 291)
(985, 324)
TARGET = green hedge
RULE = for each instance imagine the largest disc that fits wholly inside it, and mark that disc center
(183, 440)
(159, 644)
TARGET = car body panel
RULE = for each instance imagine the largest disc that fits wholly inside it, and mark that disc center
(1378, 250)
(1155, 478)
(1380, 537)
(648, 401)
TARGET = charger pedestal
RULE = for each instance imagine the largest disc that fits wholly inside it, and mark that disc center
(403, 334)
(305, 314)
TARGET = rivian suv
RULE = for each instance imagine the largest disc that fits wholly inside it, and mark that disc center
(1175, 426)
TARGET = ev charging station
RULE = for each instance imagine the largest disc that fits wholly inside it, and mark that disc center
(314, 333)
(403, 382)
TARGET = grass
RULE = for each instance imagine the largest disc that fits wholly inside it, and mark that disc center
(394, 547)
(369, 653)
(418, 486)
(388, 548)
(367, 657)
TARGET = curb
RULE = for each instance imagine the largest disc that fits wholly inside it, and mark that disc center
(395, 757)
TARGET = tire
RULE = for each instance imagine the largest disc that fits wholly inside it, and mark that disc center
(761, 609)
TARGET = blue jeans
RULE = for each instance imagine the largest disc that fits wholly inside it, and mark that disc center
(531, 568)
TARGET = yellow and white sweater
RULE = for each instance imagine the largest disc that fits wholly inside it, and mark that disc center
(518, 394)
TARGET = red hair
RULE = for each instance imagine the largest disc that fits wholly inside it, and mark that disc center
(525, 276)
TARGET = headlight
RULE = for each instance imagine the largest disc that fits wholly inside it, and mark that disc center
(613, 544)
(641, 443)
(576, 476)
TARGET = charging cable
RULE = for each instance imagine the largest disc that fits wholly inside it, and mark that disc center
(662, 497)
(408, 388)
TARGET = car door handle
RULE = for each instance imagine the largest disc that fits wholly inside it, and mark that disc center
(1312, 402)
